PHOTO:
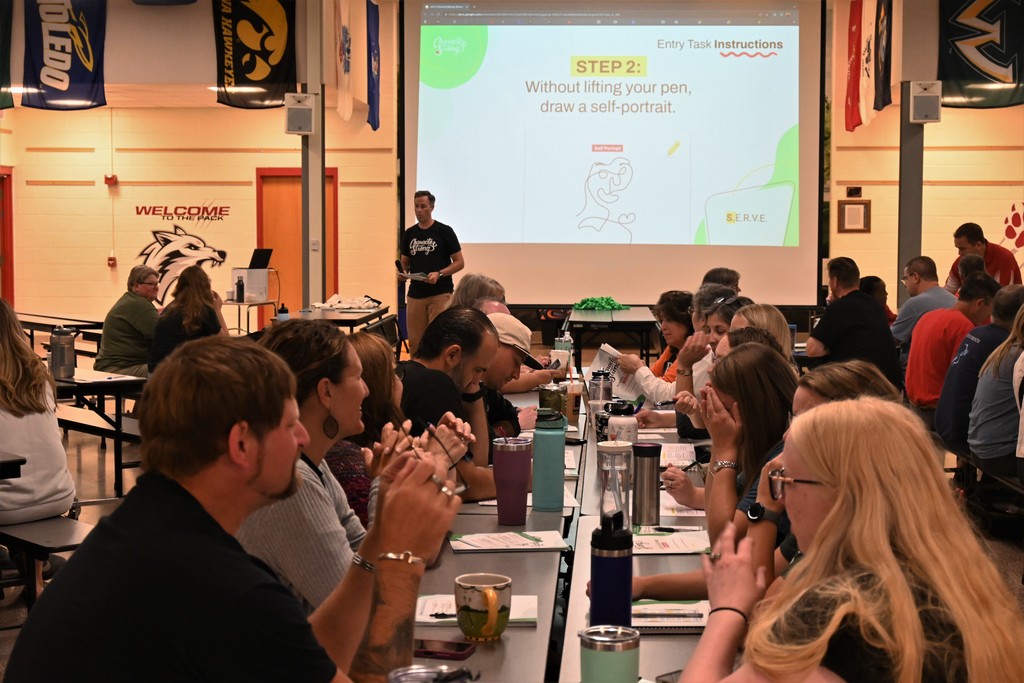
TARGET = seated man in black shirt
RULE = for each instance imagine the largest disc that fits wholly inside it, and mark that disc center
(854, 325)
(162, 591)
(443, 378)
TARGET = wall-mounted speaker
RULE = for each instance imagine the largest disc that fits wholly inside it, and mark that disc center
(299, 113)
(925, 101)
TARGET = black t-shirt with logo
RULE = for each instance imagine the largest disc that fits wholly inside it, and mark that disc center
(429, 250)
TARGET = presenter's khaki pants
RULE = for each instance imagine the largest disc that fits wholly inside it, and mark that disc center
(419, 313)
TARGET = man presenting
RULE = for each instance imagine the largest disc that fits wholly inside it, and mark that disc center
(1000, 262)
(162, 591)
(432, 248)
(128, 327)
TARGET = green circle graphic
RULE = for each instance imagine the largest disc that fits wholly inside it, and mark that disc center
(451, 55)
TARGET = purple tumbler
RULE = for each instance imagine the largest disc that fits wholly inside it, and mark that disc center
(513, 458)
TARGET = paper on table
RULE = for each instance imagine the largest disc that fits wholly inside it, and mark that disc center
(658, 430)
(671, 508)
(523, 611)
(677, 454)
(663, 616)
(568, 499)
(681, 543)
(570, 459)
(508, 541)
(623, 385)
(650, 436)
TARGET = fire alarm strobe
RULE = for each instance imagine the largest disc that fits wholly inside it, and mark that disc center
(299, 113)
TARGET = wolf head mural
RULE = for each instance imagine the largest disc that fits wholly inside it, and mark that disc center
(172, 252)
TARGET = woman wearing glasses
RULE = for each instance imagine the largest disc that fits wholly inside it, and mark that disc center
(893, 585)
(830, 382)
(128, 327)
(659, 381)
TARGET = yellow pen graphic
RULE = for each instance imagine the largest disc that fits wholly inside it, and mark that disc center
(673, 148)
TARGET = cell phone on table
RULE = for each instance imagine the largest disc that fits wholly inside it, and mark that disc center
(671, 677)
(443, 649)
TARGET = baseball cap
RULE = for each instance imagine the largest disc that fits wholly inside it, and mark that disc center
(516, 335)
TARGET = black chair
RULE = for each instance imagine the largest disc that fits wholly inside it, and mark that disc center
(389, 328)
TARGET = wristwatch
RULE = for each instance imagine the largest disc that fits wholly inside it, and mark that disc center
(719, 465)
(758, 512)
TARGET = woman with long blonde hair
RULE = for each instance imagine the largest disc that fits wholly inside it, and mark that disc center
(893, 586)
(194, 313)
(766, 317)
(28, 428)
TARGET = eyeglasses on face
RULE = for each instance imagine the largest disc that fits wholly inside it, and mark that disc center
(150, 284)
(777, 480)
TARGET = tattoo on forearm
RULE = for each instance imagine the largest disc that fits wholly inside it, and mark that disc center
(387, 643)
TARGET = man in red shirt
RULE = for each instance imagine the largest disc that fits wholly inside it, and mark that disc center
(938, 335)
(1000, 262)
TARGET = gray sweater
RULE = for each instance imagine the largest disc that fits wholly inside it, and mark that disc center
(308, 539)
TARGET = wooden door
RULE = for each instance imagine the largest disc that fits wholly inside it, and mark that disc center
(279, 227)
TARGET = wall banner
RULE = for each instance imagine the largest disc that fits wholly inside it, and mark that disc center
(64, 54)
(373, 63)
(981, 53)
(6, 14)
(255, 41)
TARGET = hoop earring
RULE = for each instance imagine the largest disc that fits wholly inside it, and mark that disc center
(331, 426)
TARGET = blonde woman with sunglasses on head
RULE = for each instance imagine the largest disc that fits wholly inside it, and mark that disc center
(893, 586)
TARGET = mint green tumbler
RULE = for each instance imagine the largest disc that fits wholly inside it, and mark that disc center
(609, 654)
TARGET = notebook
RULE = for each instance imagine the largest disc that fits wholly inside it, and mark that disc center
(669, 617)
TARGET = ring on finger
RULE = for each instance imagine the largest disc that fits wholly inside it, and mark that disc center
(715, 557)
(439, 481)
(447, 491)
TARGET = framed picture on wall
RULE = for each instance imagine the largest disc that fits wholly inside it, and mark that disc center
(855, 215)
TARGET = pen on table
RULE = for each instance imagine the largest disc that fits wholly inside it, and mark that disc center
(442, 615)
(529, 537)
(677, 529)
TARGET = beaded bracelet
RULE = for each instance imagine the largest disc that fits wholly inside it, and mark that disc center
(731, 609)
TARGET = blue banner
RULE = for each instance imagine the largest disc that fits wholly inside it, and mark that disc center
(373, 63)
(981, 53)
(255, 44)
(64, 54)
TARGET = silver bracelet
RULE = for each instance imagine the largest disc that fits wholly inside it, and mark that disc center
(406, 557)
(363, 563)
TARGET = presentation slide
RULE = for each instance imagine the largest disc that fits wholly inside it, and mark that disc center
(613, 134)
(567, 141)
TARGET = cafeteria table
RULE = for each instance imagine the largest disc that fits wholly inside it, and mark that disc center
(349, 317)
(659, 654)
(521, 653)
(636, 320)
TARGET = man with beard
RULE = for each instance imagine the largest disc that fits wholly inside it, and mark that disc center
(161, 590)
(443, 380)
